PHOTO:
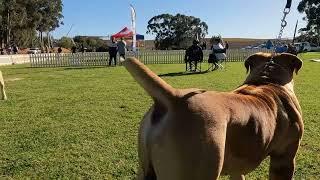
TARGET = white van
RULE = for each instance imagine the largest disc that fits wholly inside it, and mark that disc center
(303, 46)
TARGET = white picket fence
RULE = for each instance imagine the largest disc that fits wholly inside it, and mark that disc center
(147, 57)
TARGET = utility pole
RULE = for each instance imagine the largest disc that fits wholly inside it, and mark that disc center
(295, 31)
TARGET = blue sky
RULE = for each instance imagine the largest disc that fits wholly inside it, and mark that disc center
(231, 18)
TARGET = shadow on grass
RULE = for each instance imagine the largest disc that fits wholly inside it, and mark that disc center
(182, 74)
(88, 67)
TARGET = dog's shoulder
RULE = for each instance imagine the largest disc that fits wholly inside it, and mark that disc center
(278, 98)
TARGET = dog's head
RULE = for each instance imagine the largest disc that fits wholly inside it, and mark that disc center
(277, 69)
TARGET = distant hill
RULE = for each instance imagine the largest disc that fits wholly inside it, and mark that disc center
(234, 43)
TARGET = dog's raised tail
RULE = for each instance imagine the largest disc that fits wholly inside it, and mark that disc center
(157, 88)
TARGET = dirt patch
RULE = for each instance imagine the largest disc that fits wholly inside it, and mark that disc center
(13, 79)
(315, 60)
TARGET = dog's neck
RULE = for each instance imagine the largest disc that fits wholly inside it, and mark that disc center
(257, 81)
(289, 86)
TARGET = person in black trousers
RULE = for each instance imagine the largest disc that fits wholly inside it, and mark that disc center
(113, 50)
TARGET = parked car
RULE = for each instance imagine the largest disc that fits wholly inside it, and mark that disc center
(314, 47)
(306, 47)
(34, 51)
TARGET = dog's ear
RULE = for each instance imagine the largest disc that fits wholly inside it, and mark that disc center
(247, 64)
(292, 61)
(254, 60)
(297, 64)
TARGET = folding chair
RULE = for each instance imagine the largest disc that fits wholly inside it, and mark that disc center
(214, 63)
(193, 66)
(194, 57)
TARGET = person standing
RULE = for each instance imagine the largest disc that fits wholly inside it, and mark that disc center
(204, 45)
(59, 50)
(122, 48)
(15, 49)
(83, 49)
(113, 50)
(74, 49)
(226, 45)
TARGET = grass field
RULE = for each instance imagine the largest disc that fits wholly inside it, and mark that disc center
(83, 123)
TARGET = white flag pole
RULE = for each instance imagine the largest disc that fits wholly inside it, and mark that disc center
(133, 24)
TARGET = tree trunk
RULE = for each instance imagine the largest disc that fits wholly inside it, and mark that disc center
(1, 39)
(318, 34)
(8, 33)
(49, 41)
(41, 41)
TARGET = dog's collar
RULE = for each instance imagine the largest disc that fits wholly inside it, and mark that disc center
(272, 58)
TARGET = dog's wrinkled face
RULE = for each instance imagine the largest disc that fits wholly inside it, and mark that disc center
(278, 69)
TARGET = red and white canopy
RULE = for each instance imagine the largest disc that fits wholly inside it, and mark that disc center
(126, 33)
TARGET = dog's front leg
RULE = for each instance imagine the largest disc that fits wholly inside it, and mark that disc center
(282, 165)
(237, 177)
(3, 95)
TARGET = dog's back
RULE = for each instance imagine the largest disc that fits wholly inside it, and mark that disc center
(196, 134)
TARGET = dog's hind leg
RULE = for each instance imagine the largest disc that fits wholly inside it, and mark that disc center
(282, 165)
(146, 174)
(146, 170)
(189, 156)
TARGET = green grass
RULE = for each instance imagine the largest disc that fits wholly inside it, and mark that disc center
(83, 123)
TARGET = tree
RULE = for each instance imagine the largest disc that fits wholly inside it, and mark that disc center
(312, 10)
(19, 15)
(25, 38)
(2, 29)
(91, 43)
(176, 32)
(50, 13)
(65, 42)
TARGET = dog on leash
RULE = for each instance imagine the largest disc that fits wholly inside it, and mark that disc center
(3, 95)
(195, 134)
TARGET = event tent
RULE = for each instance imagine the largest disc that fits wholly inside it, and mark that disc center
(126, 33)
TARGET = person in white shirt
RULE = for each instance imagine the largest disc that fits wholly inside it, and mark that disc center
(219, 50)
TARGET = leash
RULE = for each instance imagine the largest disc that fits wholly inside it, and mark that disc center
(278, 47)
(284, 22)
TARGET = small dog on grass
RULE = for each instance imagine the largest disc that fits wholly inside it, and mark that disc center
(3, 95)
(194, 134)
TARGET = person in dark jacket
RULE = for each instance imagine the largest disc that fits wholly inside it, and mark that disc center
(59, 50)
(194, 55)
(74, 49)
(113, 50)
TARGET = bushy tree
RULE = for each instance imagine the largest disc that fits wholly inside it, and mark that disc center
(65, 42)
(19, 15)
(25, 38)
(91, 43)
(312, 10)
(176, 31)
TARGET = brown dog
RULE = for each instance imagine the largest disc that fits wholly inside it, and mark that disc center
(3, 95)
(194, 134)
